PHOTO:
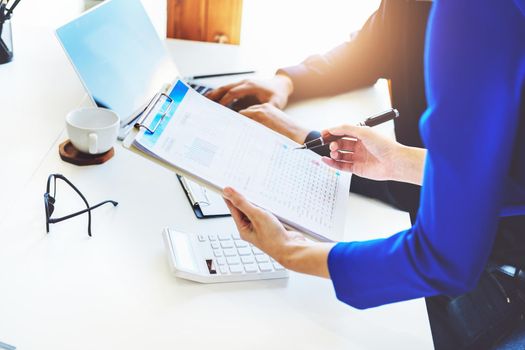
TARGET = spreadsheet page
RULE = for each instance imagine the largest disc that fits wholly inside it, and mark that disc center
(223, 148)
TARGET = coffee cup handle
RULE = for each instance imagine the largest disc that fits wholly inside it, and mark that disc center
(93, 141)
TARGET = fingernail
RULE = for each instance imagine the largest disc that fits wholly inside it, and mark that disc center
(227, 192)
(334, 155)
(333, 146)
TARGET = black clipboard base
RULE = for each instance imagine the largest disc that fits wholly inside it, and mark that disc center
(195, 206)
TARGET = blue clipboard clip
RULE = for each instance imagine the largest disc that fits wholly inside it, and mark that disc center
(160, 100)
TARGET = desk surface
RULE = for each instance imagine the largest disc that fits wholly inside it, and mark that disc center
(115, 290)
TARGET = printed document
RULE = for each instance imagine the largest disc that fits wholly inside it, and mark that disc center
(222, 148)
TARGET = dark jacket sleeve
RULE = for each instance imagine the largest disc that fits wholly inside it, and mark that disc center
(354, 64)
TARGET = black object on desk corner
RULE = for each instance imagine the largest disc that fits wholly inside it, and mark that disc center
(6, 41)
(6, 35)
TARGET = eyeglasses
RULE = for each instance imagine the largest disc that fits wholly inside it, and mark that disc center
(49, 202)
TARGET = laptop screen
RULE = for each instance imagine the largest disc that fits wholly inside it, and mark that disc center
(118, 55)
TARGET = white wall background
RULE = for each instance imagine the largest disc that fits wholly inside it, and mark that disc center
(54, 13)
(276, 32)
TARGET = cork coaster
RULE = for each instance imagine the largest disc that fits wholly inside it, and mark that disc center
(70, 154)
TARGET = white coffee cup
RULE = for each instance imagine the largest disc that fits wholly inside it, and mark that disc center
(92, 130)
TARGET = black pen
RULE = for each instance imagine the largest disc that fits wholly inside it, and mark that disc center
(372, 121)
(219, 75)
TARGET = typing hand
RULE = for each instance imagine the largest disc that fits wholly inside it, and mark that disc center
(369, 154)
(275, 119)
(274, 91)
(263, 230)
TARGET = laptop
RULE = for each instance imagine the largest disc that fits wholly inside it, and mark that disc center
(119, 57)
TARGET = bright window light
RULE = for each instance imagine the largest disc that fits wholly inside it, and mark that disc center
(284, 32)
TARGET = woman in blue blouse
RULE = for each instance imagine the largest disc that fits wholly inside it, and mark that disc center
(473, 173)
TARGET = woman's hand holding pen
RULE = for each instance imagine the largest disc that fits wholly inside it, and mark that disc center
(264, 230)
(362, 151)
(367, 153)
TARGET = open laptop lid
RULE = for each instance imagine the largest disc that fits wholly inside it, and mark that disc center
(118, 55)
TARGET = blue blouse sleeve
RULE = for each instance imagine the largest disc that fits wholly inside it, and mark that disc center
(475, 77)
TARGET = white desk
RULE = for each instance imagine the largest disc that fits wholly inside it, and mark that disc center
(115, 290)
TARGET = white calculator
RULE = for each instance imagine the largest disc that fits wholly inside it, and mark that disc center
(222, 257)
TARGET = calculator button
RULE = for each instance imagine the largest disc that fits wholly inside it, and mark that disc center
(229, 252)
(221, 261)
(212, 238)
(247, 259)
(262, 258)
(223, 269)
(236, 269)
(233, 260)
(227, 244)
(241, 244)
(278, 266)
(217, 253)
(201, 238)
(244, 251)
(224, 237)
(265, 267)
(251, 268)
(257, 251)
(215, 245)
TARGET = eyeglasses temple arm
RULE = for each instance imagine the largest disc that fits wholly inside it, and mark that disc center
(55, 220)
(63, 178)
